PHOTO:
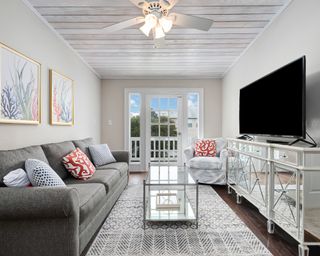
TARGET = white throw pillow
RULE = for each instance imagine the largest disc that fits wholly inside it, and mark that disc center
(101, 155)
(42, 175)
(16, 179)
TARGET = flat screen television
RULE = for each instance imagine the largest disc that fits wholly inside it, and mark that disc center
(275, 105)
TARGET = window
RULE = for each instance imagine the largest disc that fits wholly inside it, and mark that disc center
(193, 116)
(135, 141)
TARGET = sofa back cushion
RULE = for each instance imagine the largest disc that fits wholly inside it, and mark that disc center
(14, 159)
(55, 152)
(84, 146)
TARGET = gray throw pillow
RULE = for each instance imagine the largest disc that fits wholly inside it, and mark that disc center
(41, 174)
(101, 155)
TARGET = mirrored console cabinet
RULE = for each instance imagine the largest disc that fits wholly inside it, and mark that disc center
(283, 182)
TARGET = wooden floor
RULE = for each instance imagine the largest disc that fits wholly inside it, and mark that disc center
(279, 244)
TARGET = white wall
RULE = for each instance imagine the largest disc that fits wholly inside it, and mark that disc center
(25, 32)
(293, 34)
(113, 105)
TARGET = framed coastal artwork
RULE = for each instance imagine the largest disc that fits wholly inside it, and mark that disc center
(20, 88)
(61, 99)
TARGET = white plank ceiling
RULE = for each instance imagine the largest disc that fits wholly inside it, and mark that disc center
(188, 53)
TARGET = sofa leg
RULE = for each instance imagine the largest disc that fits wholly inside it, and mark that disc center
(229, 190)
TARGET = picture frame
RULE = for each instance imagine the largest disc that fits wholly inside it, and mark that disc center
(61, 99)
(20, 88)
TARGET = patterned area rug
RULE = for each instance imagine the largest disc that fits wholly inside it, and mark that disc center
(220, 231)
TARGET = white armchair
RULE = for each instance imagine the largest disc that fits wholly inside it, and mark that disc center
(208, 170)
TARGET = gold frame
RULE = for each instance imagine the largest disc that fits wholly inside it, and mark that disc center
(38, 64)
(51, 71)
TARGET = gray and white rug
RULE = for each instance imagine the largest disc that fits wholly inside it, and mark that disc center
(220, 231)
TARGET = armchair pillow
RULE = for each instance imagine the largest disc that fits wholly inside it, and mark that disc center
(79, 165)
(205, 147)
(41, 174)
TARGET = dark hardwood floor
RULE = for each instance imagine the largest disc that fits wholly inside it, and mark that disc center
(279, 243)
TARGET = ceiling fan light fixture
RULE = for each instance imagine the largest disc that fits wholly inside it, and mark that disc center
(150, 23)
(145, 29)
(159, 32)
(166, 24)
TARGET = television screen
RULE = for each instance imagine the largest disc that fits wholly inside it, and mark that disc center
(275, 104)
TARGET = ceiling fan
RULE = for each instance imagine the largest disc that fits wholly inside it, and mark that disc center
(158, 20)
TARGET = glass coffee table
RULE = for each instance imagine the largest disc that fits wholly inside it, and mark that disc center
(170, 194)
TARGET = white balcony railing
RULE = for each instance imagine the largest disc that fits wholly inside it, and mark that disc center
(135, 150)
(162, 149)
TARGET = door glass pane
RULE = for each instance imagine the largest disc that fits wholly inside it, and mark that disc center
(164, 103)
(154, 130)
(164, 117)
(173, 117)
(164, 130)
(154, 117)
(154, 103)
(173, 104)
(173, 131)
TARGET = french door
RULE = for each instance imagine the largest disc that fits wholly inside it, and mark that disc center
(160, 123)
(164, 115)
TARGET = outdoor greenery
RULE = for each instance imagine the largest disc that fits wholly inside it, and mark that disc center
(167, 127)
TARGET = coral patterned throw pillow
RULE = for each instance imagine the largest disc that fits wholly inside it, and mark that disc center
(79, 165)
(205, 147)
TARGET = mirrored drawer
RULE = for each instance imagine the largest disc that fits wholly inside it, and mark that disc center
(232, 145)
(285, 156)
(253, 150)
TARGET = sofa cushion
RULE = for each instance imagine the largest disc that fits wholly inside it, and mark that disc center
(84, 145)
(14, 159)
(205, 163)
(108, 178)
(121, 167)
(55, 152)
(92, 197)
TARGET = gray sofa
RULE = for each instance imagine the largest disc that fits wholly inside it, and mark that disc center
(56, 221)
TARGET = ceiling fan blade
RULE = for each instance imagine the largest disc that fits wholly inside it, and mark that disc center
(160, 42)
(189, 21)
(124, 24)
(172, 3)
(138, 3)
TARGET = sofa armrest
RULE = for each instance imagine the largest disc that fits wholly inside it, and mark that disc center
(39, 221)
(121, 155)
(189, 153)
(35, 203)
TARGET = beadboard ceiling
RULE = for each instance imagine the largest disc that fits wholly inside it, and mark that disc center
(188, 53)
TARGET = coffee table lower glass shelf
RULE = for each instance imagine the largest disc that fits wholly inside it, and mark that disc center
(170, 194)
